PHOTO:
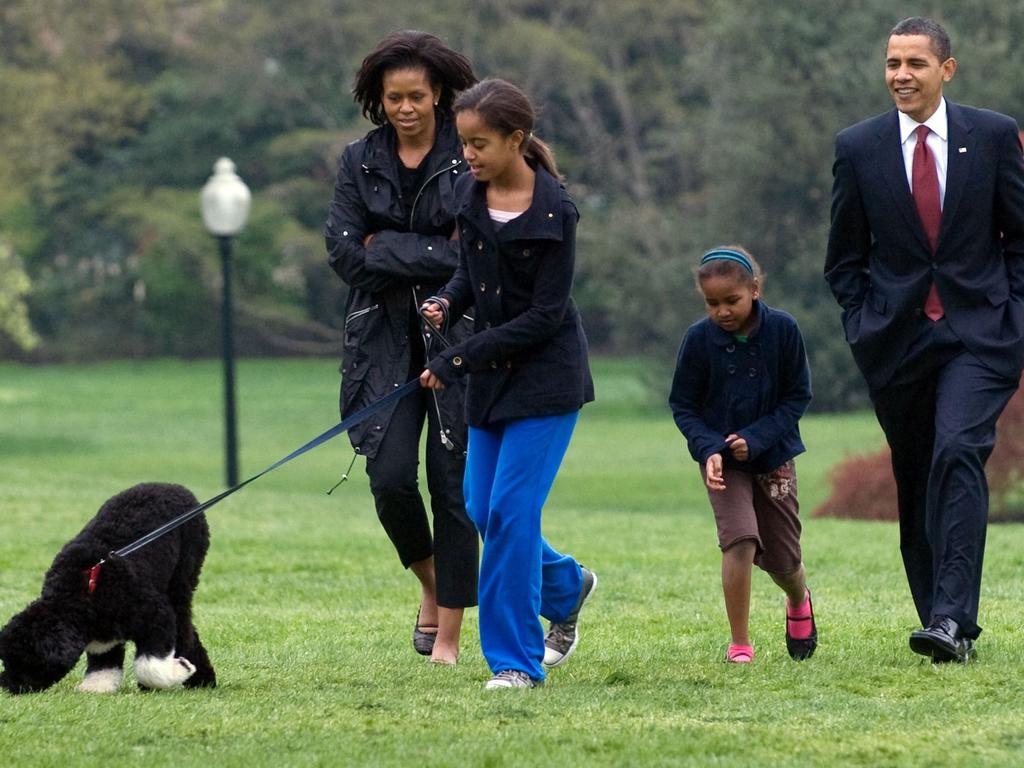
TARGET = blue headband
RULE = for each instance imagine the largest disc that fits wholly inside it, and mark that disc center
(726, 254)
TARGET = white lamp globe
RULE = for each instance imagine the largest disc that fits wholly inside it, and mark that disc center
(225, 200)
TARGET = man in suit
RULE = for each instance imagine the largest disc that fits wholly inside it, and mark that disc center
(926, 258)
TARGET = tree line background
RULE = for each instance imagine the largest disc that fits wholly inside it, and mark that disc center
(680, 124)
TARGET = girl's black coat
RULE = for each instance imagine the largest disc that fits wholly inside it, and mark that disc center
(410, 257)
(528, 356)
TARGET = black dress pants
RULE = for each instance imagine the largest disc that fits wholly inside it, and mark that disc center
(939, 414)
(394, 483)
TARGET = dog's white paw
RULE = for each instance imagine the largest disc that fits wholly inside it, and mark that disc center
(102, 681)
(154, 672)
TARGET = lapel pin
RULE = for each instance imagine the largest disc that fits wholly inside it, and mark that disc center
(963, 150)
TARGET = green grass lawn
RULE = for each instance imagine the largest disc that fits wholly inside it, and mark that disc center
(307, 614)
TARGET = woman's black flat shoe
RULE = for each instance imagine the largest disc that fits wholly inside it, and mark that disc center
(422, 641)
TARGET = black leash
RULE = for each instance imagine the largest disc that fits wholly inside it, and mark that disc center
(434, 328)
(343, 426)
(447, 440)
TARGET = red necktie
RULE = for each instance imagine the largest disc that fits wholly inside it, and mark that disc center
(929, 207)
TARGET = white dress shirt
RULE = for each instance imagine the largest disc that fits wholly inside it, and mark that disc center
(938, 143)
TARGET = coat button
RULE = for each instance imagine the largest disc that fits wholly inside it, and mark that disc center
(752, 372)
(498, 290)
(483, 287)
(457, 361)
(494, 364)
(731, 348)
(731, 368)
(479, 245)
(508, 363)
(345, 232)
(551, 215)
(430, 247)
(526, 251)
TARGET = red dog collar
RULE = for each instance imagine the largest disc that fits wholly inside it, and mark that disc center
(92, 578)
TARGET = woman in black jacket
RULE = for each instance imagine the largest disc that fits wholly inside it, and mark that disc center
(391, 237)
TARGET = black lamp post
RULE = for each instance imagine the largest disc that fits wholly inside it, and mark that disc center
(225, 203)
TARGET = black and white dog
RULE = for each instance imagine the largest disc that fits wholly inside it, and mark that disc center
(145, 597)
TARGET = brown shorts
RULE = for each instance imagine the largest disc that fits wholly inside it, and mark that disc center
(762, 508)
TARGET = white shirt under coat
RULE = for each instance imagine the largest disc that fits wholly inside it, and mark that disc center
(938, 143)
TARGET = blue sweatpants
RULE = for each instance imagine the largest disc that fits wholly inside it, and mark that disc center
(510, 468)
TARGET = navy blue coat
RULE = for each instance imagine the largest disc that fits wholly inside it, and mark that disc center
(528, 356)
(880, 265)
(757, 389)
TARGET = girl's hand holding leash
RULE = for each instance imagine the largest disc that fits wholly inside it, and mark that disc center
(432, 312)
(738, 446)
(429, 381)
(713, 473)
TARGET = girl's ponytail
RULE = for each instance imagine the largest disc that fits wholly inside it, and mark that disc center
(540, 152)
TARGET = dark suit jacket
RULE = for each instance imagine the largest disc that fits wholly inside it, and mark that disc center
(879, 263)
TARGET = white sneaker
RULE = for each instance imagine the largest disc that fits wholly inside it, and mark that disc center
(562, 637)
(512, 678)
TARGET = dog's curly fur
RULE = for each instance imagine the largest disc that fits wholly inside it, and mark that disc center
(145, 597)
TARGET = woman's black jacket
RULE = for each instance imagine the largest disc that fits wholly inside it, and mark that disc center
(409, 257)
(528, 356)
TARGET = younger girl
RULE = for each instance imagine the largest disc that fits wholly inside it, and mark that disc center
(528, 377)
(741, 385)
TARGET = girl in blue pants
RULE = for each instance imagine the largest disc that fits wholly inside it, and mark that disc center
(528, 376)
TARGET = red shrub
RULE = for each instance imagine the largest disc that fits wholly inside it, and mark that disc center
(863, 487)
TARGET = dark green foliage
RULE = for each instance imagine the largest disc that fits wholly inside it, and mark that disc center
(679, 125)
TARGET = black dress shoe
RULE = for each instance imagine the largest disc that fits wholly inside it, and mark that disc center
(943, 641)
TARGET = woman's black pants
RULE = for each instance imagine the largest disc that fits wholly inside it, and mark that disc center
(394, 483)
